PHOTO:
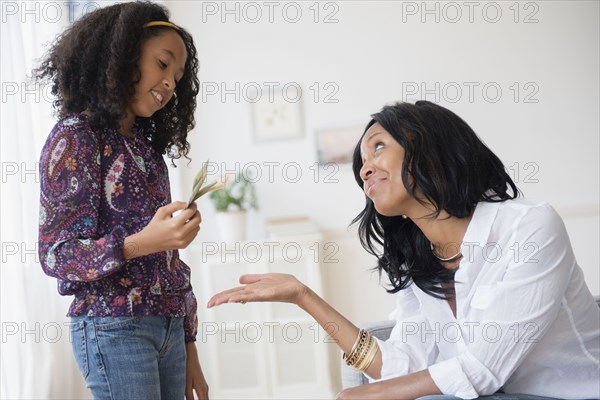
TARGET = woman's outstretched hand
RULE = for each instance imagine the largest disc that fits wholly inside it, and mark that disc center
(263, 287)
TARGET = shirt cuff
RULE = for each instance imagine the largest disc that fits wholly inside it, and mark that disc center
(451, 380)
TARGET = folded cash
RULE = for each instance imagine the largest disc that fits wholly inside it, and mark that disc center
(199, 189)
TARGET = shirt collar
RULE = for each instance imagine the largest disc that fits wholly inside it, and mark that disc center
(480, 226)
(476, 237)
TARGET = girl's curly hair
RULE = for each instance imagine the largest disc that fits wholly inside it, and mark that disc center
(93, 65)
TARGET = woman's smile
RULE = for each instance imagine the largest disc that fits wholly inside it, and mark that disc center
(371, 184)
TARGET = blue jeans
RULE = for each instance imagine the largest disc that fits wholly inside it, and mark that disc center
(124, 358)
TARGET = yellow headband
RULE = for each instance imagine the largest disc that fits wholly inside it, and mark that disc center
(161, 23)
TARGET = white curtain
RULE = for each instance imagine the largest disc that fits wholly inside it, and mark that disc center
(36, 356)
(35, 353)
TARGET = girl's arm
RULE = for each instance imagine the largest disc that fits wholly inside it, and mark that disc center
(71, 186)
(194, 378)
(71, 189)
(164, 232)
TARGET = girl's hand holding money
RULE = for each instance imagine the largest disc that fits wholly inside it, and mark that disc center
(165, 232)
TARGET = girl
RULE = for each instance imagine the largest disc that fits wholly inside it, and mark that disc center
(490, 296)
(125, 82)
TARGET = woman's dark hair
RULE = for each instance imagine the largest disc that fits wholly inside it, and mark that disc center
(93, 66)
(451, 168)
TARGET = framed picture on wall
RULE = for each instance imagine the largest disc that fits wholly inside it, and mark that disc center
(277, 115)
(335, 145)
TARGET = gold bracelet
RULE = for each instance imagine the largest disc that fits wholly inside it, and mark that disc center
(372, 357)
(358, 348)
(369, 356)
(363, 353)
(360, 361)
(344, 356)
(352, 352)
(361, 356)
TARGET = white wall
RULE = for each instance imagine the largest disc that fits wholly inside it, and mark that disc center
(374, 53)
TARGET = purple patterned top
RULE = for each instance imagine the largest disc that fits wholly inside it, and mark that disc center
(97, 189)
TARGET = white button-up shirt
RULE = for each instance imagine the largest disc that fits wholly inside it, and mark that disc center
(525, 320)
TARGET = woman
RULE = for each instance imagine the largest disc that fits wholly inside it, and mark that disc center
(489, 295)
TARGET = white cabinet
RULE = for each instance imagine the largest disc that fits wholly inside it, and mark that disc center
(261, 350)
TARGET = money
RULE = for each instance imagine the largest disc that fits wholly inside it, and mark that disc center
(198, 187)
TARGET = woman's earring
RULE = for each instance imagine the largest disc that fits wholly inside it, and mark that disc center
(404, 216)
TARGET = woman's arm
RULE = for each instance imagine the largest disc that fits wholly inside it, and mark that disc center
(336, 325)
(286, 288)
(410, 386)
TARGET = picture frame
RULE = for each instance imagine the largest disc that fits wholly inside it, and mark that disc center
(336, 145)
(277, 116)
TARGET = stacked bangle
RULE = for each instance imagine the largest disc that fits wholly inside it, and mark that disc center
(363, 352)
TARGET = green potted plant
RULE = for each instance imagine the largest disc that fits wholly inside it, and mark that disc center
(231, 204)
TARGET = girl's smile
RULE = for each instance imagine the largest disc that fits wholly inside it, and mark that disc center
(158, 97)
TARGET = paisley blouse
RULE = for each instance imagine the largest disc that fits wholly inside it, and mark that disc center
(97, 188)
